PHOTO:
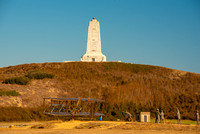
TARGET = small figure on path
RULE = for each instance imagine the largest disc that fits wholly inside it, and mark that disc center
(178, 116)
(197, 117)
(101, 118)
(162, 117)
(157, 116)
(128, 116)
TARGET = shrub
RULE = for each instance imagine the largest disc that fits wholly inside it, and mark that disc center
(9, 93)
(17, 80)
(25, 114)
(26, 79)
(39, 75)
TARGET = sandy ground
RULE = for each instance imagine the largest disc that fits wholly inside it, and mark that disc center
(88, 131)
(95, 127)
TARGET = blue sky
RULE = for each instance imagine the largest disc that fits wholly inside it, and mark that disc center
(155, 32)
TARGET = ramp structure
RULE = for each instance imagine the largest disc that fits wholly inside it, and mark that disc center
(73, 107)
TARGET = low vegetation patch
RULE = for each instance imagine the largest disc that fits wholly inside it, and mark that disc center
(17, 80)
(27, 78)
(39, 75)
(8, 93)
(26, 114)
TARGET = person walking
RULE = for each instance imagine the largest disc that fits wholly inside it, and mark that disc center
(101, 118)
(197, 115)
(178, 116)
(162, 117)
(157, 116)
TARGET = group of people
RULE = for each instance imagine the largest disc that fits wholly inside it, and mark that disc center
(160, 116)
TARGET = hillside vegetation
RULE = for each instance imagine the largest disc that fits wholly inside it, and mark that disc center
(124, 86)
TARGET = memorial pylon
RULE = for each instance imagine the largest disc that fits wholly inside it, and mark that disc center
(93, 52)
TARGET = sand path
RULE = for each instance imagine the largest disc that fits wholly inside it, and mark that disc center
(96, 127)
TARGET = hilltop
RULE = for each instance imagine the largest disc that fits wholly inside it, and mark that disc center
(124, 86)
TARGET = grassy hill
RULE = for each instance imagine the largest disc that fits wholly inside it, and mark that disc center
(124, 86)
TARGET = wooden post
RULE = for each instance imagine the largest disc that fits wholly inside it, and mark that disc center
(102, 107)
(59, 107)
(92, 111)
(66, 102)
(90, 105)
(43, 101)
(51, 106)
(43, 104)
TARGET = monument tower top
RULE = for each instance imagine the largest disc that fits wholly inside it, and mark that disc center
(93, 52)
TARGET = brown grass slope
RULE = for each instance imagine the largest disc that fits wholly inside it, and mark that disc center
(124, 86)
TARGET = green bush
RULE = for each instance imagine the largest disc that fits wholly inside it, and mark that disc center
(17, 80)
(39, 75)
(26, 79)
(9, 93)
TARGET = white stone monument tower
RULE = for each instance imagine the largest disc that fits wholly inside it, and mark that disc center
(93, 52)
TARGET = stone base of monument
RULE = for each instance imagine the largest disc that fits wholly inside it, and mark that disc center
(93, 58)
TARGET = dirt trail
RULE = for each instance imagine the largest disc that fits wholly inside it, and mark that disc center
(89, 131)
(96, 127)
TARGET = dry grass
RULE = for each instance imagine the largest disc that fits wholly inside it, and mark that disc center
(124, 86)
